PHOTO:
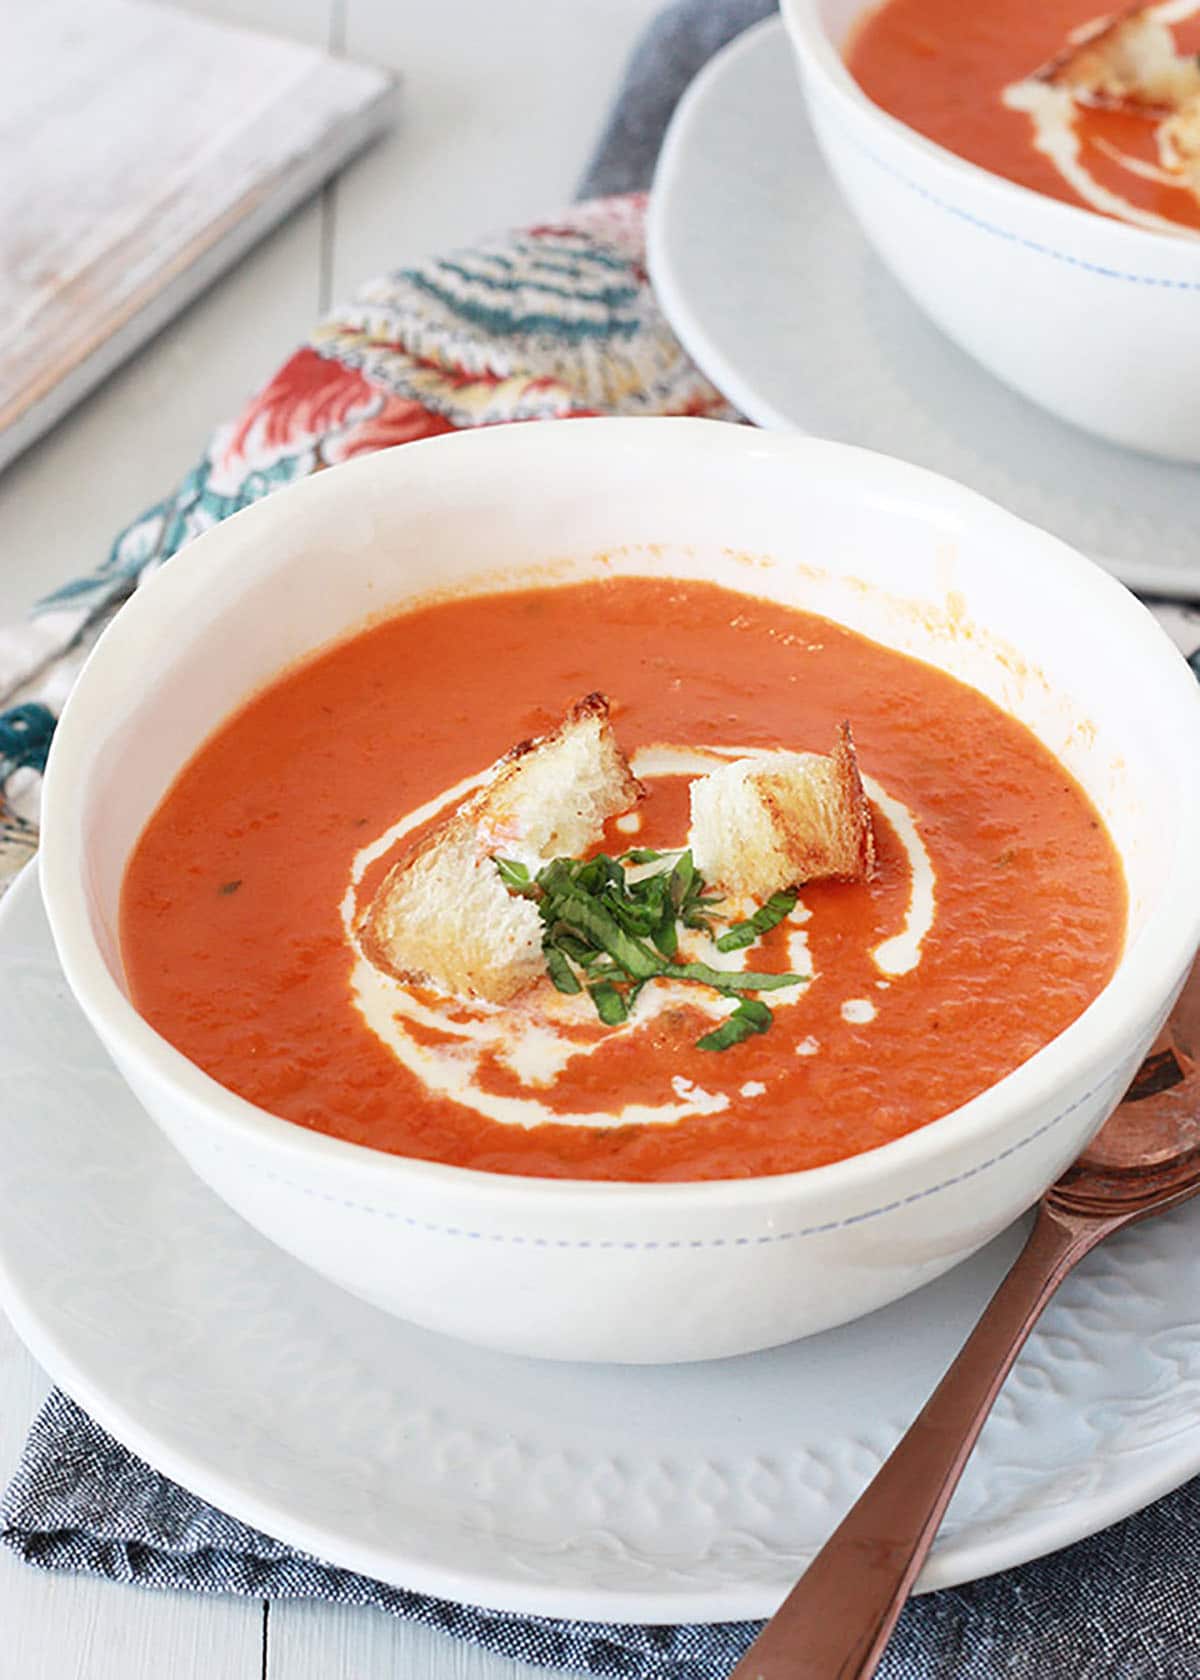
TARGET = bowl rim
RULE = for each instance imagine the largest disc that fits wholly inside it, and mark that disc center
(1165, 946)
(820, 59)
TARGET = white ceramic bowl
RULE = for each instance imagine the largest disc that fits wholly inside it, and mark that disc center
(1097, 320)
(640, 1272)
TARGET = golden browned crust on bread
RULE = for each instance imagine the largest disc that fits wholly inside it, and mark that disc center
(762, 825)
(595, 706)
(1127, 63)
(842, 848)
(442, 915)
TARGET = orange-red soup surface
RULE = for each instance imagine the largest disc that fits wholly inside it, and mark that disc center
(235, 949)
(941, 66)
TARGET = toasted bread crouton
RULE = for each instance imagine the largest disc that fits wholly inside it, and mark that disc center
(1130, 63)
(442, 913)
(761, 825)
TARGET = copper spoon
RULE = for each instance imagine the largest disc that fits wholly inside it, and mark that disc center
(836, 1621)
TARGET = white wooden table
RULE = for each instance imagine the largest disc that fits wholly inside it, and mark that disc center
(499, 108)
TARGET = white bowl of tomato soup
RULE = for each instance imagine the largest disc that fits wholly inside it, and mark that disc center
(338, 663)
(1040, 233)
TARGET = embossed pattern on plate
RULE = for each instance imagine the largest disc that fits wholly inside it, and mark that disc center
(777, 296)
(612, 1493)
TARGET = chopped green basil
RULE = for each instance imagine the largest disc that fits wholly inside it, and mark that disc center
(748, 1018)
(775, 910)
(666, 938)
(733, 979)
(560, 971)
(515, 876)
(611, 935)
(611, 1007)
(682, 877)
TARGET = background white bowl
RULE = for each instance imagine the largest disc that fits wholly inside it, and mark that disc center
(639, 1272)
(1097, 320)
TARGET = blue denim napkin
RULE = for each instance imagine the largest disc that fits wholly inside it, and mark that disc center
(1125, 1604)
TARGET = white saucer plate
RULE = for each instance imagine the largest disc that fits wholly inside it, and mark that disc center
(645, 1494)
(777, 296)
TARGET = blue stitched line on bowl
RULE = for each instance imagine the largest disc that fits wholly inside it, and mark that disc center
(1005, 233)
(695, 1242)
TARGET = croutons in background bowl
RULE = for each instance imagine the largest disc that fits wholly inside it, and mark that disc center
(1095, 319)
(639, 1272)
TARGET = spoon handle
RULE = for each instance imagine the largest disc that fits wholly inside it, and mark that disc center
(835, 1622)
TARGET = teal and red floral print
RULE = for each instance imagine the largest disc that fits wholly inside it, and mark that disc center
(552, 321)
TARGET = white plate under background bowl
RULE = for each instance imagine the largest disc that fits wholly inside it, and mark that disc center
(778, 297)
(651, 1494)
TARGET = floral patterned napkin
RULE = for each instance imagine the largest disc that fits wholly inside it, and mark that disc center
(554, 321)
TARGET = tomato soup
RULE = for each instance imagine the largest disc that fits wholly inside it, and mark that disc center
(994, 916)
(978, 79)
